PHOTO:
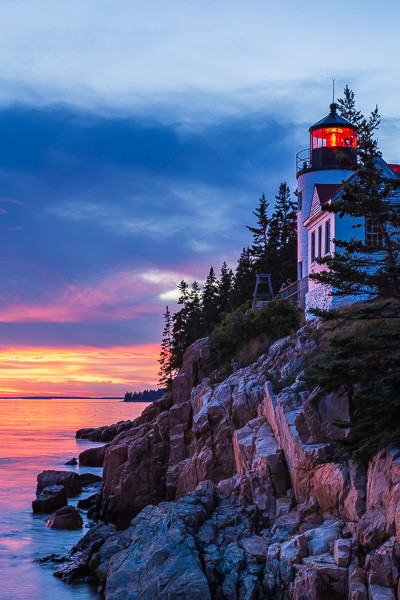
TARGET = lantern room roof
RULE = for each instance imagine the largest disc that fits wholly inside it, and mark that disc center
(332, 120)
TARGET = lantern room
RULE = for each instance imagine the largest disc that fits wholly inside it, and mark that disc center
(331, 140)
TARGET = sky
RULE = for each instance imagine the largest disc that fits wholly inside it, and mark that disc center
(135, 140)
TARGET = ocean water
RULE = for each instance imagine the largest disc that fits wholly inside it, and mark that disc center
(37, 435)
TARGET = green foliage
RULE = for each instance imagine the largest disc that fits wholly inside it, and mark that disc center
(188, 322)
(276, 319)
(167, 370)
(274, 247)
(361, 354)
(244, 280)
(273, 251)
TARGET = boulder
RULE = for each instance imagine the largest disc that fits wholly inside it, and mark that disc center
(162, 561)
(76, 567)
(342, 552)
(92, 457)
(88, 479)
(88, 502)
(321, 581)
(357, 584)
(72, 461)
(68, 479)
(319, 411)
(373, 528)
(67, 517)
(321, 539)
(50, 499)
(382, 565)
(380, 592)
(105, 433)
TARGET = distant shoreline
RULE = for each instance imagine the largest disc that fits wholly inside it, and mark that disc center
(61, 397)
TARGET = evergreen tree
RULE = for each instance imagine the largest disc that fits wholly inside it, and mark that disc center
(364, 266)
(282, 240)
(362, 358)
(209, 303)
(188, 325)
(365, 127)
(260, 248)
(224, 288)
(167, 370)
(244, 280)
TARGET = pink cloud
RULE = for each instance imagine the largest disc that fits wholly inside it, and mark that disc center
(117, 297)
(11, 200)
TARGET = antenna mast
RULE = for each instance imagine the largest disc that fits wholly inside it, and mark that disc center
(333, 90)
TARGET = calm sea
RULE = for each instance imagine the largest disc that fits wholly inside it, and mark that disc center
(37, 435)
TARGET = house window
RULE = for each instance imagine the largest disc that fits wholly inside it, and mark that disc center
(327, 237)
(313, 246)
(373, 235)
(319, 242)
(299, 200)
(300, 270)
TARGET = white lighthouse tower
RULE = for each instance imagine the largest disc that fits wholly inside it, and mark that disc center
(321, 163)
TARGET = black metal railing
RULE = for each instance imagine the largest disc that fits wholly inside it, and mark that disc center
(295, 292)
(303, 160)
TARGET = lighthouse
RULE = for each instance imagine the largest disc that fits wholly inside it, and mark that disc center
(333, 142)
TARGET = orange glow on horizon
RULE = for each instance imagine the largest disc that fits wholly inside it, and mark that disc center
(77, 371)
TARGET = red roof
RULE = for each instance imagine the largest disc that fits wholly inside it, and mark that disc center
(395, 168)
(325, 191)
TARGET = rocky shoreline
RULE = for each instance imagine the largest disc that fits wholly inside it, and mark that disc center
(224, 491)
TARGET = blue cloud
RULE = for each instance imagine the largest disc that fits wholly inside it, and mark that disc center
(97, 194)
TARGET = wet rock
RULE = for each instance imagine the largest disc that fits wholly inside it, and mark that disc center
(76, 567)
(68, 479)
(105, 433)
(50, 499)
(162, 560)
(88, 502)
(72, 461)
(88, 479)
(92, 457)
(67, 517)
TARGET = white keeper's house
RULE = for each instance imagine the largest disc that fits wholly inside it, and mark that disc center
(320, 177)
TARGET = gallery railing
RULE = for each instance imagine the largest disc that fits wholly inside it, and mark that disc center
(295, 292)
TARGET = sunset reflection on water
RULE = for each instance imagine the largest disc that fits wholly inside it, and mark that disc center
(37, 435)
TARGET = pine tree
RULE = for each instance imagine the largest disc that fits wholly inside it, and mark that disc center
(362, 359)
(244, 280)
(224, 288)
(365, 127)
(188, 324)
(282, 240)
(260, 247)
(167, 370)
(209, 302)
(359, 266)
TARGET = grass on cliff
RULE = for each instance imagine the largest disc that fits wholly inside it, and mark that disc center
(359, 351)
(243, 335)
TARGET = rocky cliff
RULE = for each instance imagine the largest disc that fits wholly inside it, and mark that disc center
(225, 491)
